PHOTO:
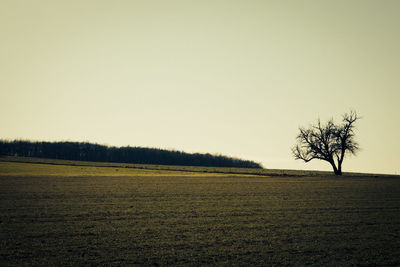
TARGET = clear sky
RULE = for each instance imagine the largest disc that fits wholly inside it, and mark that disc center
(230, 77)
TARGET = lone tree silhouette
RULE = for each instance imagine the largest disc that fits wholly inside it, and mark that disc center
(329, 142)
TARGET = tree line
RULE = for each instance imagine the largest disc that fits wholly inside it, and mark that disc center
(84, 151)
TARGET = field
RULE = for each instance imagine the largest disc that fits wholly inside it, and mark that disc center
(70, 213)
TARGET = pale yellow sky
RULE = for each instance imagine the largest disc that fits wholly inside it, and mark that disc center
(230, 77)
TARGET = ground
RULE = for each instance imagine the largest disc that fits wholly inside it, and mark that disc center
(113, 215)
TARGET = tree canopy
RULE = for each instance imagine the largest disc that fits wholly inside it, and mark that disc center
(329, 142)
(84, 151)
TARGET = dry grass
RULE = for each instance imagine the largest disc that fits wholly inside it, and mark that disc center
(193, 170)
(35, 169)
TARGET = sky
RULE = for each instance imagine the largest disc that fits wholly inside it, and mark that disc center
(227, 77)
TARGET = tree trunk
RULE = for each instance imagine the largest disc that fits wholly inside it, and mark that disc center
(339, 169)
(335, 169)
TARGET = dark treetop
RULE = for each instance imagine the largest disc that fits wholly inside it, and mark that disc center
(101, 153)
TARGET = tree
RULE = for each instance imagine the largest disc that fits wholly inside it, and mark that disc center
(329, 142)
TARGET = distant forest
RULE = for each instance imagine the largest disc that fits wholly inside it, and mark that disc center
(84, 151)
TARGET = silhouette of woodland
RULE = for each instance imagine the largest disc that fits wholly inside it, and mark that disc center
(84, 151)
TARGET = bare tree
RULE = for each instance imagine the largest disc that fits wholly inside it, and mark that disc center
(329, 142)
